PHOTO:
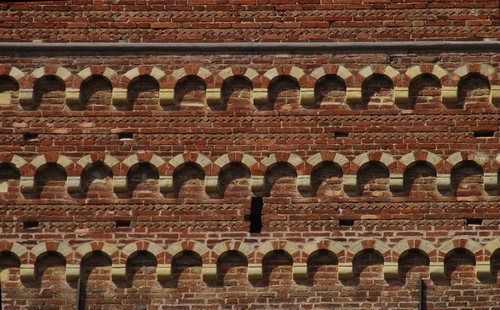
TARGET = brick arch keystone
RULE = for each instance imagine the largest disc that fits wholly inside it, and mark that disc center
(15, 74)
(358, 247)
(294, 160)
(179, 74)
(65, 162)
(13, 248)
(481, 159)
(294, 72)
(340, 252)
(416, 71)
(87, 161)
(371, 70)
(475, 248)
(340, 71)
(147, 246)
(18, 162)
(230, 245)
(248, 73)
(247, 160)
(60, 72)
(202, 161)
(484, 70)
(336, 158)
(435, 160)
(44, 247)
(137, 72)
(418, 244)
(87, 74)
(270, 246)
(110, 250)
(155, 160)
(383, 158)
(188, 245)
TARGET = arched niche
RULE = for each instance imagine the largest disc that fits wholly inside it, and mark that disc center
(420, 180)
(425, 91)
(9, 91)
(96, 93)
(235, 181)
(326, 180)
(232, 269)
(412, 265)
(50, 270)
(50, 182)
(190, 92)
(143, 181)
(368, 267)
(460, 267)
(473, 90)
(330, 91)
(281, 180)
(284, 94)
(9, 270)
(189, 181)
(277, 268)
(377, 91)
(236, 94)
(143, 93)
(97, 182)
(467, 179)
(322, 267)
(95, 279)
(49, 93)
(373, 180)
(187, 270)
(9, 181)
(141, 270)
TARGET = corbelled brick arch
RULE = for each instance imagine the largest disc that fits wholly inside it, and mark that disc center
(402, 247)
(386, 160)
(321, 74)
(201, 160)
(87, 73)
(366, 75)
(60, 72)
(340, 252)
(14, 248)
(15, 74)
(212, 95)
(154, 72)
(256, 258)
(231, 72)
(18, 163)
(483, 71)
(427, 76)
(477, 251)
(287, 74)
(248, 162)
(244, 78)
(86, 249)
(483, 161)
(295, 72)
(230, 245)
(390, 264)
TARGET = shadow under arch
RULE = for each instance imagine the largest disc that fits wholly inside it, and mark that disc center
(373, 180)
(143, 181)
(322, 268)
(425, 90)
(48, 90)
(473, 89)
(280, 180)
(50, 182)
(420, 180)
(377, 90)
(367, 266)
(277, 269)
(236, 94)
(143, 93)
(96, 93)
(283, 94)
(467, 179)
(95, 275)
(232, 268)
(97, 181)
(326, 180)
(330, 90)
(190, 91)
(189, 181)
(235, 181)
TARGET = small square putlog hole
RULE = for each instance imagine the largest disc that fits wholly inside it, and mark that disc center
(30, 224)
(122, 224)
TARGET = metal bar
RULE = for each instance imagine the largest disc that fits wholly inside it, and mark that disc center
(78, 294)
(420, 293)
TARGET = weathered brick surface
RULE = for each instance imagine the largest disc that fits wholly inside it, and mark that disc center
(141, 174)
(238, 20)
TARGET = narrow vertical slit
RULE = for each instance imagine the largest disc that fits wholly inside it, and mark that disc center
(256, 215)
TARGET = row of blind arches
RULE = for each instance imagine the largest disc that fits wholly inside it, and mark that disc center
(284, 92)
(280, 179)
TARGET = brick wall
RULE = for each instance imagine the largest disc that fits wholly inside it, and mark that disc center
(248, 20)
(145, 181)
